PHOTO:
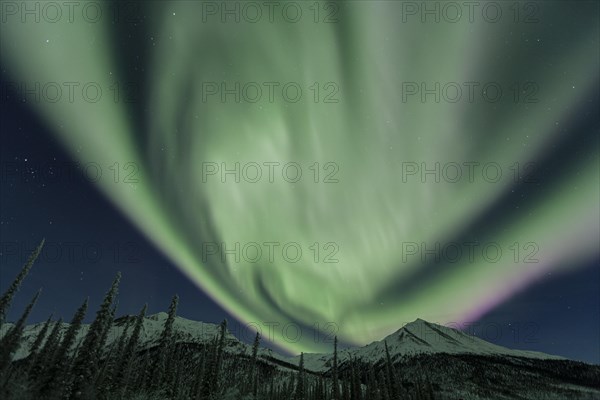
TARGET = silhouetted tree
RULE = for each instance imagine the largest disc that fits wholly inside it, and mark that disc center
(11, 342)
(164, 346)
(253, 376)
(383, 386)
(56, 377)
(345, 388)
(105, 381)
(212, 374)
(46, 354)
(7, 297)
(123, 370)
(37, 344)
(356, 393)
(336, 386)
(88, 357)
(106, 328)
(392, 387)
(198, 387)
(372, 386)
(300, 390)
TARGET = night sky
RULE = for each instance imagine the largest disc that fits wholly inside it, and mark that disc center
(153, 230)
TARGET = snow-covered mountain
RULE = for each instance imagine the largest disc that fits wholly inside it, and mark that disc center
(185, 330)
(458, 365)
(419, 337)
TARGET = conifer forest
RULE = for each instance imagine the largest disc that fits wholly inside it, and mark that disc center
(73, 361)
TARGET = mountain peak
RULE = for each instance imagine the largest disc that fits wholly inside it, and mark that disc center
(417, 321)
(160, 316)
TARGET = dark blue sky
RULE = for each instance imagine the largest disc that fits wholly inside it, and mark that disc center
(44, 194)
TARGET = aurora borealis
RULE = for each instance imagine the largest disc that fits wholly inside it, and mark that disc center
(369, 114)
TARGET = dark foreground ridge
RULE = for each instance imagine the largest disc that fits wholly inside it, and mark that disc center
(163, 356)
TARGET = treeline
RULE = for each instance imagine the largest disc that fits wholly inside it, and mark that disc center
(64, 363)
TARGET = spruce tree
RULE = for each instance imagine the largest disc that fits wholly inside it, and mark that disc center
(345, 388)
(164, 346)
(253, 376)
(208, 371)
(37, 344)
(69, 339)
(272, 389)
(336, 386)
(11, 342)
(299, 394)
(171, 365)
(321, 389)
(197, 389)
(123, 369)
(212, 374)
(219, 360)
(355, 382)
(390, 375)
(291, 387)
(106, 329)
(88, 357)
(46, 354)
(176, 370)
(7, 297)
(143, 371)
(56, 377)
(167, 333)
(383, 386)
(423, 388)
(105, 382)
(372, 386)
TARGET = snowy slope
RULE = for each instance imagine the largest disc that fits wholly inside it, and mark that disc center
(459, 366)
(418, 337)
(186, 331)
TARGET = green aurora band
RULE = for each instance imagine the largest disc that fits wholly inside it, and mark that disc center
(172, 132)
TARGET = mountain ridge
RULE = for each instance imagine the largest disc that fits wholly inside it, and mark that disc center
(414, 338)
(421, 337)
(423, 355)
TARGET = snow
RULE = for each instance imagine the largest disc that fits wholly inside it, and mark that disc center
(418, 337)
(414, 338)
